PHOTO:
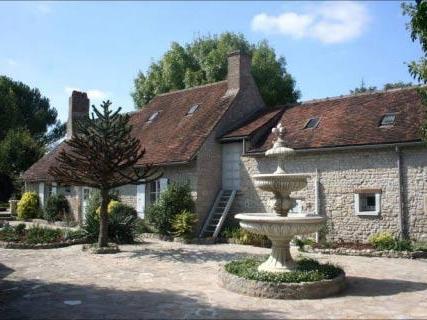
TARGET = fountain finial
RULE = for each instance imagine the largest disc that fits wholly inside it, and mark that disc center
(279, 148)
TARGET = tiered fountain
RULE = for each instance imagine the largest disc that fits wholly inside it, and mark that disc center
(278, 226)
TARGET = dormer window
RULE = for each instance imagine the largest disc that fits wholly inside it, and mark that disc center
(388, 119)
(312, 123)
(153, 116)
(192, 109)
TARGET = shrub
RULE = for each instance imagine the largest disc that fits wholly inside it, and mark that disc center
(420, 246)
(183, 224)
(37, 234)
(382, 240)
(175, 199)
(242, 236)
(307, 270)
(121, 220)
(20, 229)
(57, 208)
(28, 206)
(74, 234)
(386, 241)
(143, 227)
(122, 223)
(301, 243)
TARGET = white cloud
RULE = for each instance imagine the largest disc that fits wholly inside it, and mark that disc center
(93, 94)
(328, 22)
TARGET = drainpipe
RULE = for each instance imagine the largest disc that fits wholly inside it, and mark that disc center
(316, 199)
(400, 194)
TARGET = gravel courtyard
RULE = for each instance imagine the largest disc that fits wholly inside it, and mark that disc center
(171, 280)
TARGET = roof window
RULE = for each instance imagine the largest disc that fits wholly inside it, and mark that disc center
(153, 116)
(388, 119)
(312, 123)
(193, 109)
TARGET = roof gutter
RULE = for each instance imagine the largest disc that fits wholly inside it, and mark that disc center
(345, 148)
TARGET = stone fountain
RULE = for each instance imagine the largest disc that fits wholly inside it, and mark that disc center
(278, 226)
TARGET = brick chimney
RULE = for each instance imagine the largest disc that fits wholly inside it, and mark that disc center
(239, 70)
(78, 109)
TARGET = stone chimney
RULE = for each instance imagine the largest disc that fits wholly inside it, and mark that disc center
(78, 109)
(239, 71)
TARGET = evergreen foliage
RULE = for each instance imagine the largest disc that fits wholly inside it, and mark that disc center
(103, 155)
(28, 206)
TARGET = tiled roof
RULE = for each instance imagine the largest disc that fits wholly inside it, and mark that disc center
(252, 126)
(352, 120)
(173, 136)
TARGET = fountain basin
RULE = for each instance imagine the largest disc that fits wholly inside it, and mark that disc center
(281, 182)
(280, 230)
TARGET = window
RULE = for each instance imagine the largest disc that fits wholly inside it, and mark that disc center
(153, 116)
(312, 123)
(297, 208)
(367, 203)
(192, 109)
(388, 119)
(154, 191)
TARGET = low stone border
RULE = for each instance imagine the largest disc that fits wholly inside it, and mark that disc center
(290, 291)
(53, 245)
(369, 253)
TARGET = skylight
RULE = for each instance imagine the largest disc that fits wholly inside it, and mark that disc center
(388, 119)
(193, 109)
(312, 123)
(153, 116)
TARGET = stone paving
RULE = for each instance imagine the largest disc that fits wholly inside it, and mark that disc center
(171, 280)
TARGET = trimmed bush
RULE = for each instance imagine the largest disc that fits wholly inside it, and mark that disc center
(183, 224)
(28, 206)
(307, 270)
(174, 200)
(57, 208)
(301, 243)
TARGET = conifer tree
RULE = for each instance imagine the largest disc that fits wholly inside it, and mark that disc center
(104, 155)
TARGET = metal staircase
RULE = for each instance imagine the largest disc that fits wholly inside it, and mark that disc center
(218, 213)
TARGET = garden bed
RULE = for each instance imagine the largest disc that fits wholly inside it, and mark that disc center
(310, 280)
(36, 237)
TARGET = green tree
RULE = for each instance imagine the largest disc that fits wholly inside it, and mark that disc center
(103, 155)
(28, 125)
(396, 85)
(363, 88)
(418, 28)
(18, 151)
(24, 107)
(205, 61)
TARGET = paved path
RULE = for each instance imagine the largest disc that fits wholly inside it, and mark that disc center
(171, 280)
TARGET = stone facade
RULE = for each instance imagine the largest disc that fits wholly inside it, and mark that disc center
(340, 174)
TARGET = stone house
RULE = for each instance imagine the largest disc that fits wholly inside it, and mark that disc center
(364, 154)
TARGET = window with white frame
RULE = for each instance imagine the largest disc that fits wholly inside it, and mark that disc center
(154, 191)
(367, 202)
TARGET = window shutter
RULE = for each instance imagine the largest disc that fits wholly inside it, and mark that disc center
(54, 187)
(140, 200)
(41, 194)
(163, 184)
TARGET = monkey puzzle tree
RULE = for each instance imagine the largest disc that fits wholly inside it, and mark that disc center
(103, 155)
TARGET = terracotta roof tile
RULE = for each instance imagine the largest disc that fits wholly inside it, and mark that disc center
(353, 120)
(256, 122)
(173, 136)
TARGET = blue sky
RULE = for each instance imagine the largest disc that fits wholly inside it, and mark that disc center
(100, 46)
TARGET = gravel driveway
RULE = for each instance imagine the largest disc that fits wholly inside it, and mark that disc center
(171, 280)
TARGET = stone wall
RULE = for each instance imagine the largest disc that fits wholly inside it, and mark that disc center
(340, 174)
(209, 177)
